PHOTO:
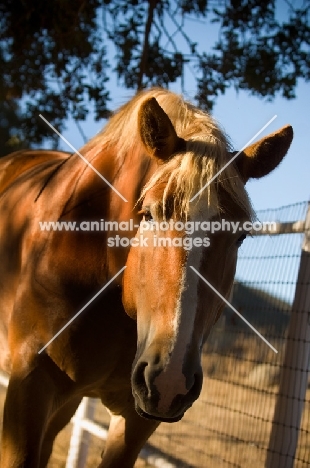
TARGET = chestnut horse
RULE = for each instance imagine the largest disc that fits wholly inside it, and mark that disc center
(137, 345)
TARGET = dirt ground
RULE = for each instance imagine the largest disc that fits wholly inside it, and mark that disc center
(229, 426)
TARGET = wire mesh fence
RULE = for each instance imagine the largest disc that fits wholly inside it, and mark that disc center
(264, 292)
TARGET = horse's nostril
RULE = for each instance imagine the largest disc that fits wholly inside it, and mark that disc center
(138, 377)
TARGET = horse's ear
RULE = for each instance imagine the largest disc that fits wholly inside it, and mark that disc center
(157, 132)
(262, 157)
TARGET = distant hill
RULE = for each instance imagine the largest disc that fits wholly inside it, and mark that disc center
(268, 314)
(260, 308)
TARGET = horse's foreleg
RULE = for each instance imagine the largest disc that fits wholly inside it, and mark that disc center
(24, 418)
(56, 423)
(32, 398)
(126, 437)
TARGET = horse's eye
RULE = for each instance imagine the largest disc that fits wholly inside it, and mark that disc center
(240, 240)
(147, 215)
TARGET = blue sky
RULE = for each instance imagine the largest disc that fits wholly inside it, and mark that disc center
(242, 116)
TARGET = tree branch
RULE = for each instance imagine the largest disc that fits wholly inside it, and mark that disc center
(145, 50)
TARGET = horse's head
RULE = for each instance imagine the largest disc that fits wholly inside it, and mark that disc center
(175, 308)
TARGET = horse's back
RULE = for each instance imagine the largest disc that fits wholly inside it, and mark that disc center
(15, 164)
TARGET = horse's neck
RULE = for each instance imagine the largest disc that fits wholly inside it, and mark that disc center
(116, 181)
(86, 196)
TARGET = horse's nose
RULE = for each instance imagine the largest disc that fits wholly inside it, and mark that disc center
(162, 392)
(177, 391)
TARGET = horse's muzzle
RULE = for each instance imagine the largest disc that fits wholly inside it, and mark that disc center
(148, 397)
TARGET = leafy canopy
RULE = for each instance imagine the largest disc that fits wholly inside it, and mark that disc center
(57, 57)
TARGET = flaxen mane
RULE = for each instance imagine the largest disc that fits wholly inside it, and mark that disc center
(207, 151)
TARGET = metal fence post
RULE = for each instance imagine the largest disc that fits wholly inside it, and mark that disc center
(294, 371)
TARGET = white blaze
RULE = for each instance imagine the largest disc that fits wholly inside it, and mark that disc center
(172, 381)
